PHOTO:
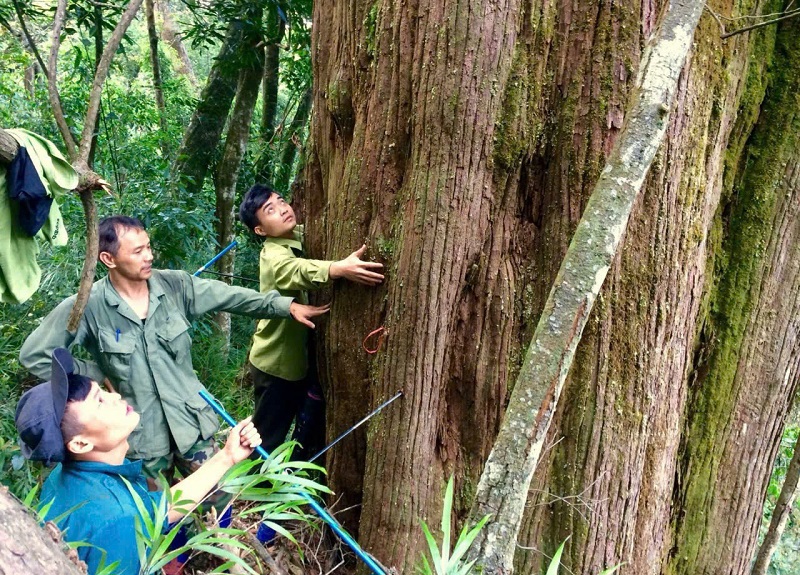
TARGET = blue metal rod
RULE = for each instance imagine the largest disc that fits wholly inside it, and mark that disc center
(211, 262)
(318, 509)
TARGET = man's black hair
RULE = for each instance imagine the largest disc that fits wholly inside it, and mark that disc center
(79, 388)
(255, 197)
(108, 238)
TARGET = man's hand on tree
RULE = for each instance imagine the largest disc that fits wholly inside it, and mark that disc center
(242, 440)
(355, 269)
(304, 313)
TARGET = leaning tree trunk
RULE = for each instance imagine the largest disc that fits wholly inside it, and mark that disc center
(269, 109)
(27, 548)
(228, 168)
(780, 514)
(171, 35)
(284, 171)
(204, 132)
(462, 141)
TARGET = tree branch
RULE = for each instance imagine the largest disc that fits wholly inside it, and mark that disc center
(100, 76)
(28, 37)
(761, 24)
(89, 262)
(52, 81)
(8, 147)
(780, 515)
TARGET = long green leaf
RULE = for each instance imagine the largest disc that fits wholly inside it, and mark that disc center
(555, 562)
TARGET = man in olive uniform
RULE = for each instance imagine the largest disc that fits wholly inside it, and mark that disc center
(136, 329)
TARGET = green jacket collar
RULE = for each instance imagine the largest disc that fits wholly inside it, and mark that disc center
(295, 242)
(113, 298)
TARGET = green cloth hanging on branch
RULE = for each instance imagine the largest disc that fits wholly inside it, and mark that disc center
(20, 273)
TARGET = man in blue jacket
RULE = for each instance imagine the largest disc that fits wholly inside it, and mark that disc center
(84, 428)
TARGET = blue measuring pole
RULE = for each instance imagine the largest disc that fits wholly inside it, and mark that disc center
(318, 509)
(213, 260)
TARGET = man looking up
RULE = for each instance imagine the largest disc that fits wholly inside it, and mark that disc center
(71, 420)
(136, 329)
(285, 385)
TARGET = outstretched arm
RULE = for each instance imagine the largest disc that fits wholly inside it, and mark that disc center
(36, 353)
(355, 269)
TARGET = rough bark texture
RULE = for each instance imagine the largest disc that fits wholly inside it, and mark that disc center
(204, 132)
(227, 173)
(462, 140)
(269, 110)
(780, 514)
(749, 367)
(293, 141)
(504, 483)
(25, 547)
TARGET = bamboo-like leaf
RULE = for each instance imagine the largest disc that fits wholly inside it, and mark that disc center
(446, 510)
(555, 562)
(466, 538)
(434, 550)
(611, 570)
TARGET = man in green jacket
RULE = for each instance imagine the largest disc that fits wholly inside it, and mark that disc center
(136, 329)
(285, 386)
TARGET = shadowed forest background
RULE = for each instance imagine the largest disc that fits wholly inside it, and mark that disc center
(461, 141)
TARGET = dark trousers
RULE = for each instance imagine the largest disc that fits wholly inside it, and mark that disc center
(279, 402)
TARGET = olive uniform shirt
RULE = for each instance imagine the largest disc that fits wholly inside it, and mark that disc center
(280, 347)
(149, 363)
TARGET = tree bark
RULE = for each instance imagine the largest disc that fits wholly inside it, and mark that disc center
(503, 487)
(293, 142)
(26, 548)
(463, 143)
(269, 111)
(203, 134)
(749, 365)
(227, 173)
(158, 88)
(780, 515)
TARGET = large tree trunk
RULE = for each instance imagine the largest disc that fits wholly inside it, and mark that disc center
(26, 548)
(227, 173)
(462, 141)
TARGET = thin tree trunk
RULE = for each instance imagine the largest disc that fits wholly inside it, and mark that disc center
(227, 173)
(158, 88)
(293, 142)
(204, 132)
(170, 35)
(98, 54)
(780, 514)
(27, 548)
(275, 31)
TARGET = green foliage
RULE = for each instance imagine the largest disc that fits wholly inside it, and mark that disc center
(442, 562)
(275, 486)
(553, 567)
(786, 558)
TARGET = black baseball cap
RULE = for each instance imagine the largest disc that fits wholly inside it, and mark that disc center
(41, 409)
